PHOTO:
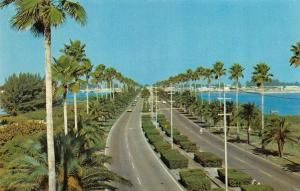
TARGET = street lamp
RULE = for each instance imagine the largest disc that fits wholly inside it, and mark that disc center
(171, 94)
(225, 137)
(156, 124)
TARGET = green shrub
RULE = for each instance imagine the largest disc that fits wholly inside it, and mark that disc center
(256, 188)
(188, 146)
(179, 138)
(173, 159)
(207, 159)
(161, 146)
(195, 180)
(168, 132)
(236, 178)
(8, 132)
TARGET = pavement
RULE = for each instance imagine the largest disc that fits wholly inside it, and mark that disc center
(133, 158)
(260, 169)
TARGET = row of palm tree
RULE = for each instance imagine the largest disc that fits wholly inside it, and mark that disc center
(73, 69)
(40, 17)
(260, 75)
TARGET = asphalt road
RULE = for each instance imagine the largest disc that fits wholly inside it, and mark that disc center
(260, 169)
(133, 158)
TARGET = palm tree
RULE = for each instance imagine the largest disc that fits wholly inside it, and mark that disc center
(277, 131)
(98, 76)
(201, 75)
(248, 113)
(208, 76)
(64, 70)
(295, 59)
(236, 72)
(40, 16)
(189, 76)
(76, 50)
(219, 71)
(87, 68)
(260, 75)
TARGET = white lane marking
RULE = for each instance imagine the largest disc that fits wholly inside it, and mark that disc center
(139, 180)
(132, 165)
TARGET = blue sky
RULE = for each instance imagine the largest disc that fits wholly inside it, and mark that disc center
(149, 40)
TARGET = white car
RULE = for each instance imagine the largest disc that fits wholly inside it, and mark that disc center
(129, 110)
(164, 102)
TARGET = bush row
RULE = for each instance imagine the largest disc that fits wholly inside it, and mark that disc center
(194, 180)
(178, 139)
(172, 158)
(256, 188)
(236, 178)
(207, 159)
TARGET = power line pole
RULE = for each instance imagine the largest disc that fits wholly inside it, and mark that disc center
(225, 114)
(156, 102)
(171, 94)
(151, 93)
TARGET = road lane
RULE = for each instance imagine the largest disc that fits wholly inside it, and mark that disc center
(257, 167)
(132, 157)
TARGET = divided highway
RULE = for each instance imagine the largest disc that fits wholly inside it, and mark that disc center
(133, 158)
(260, 169)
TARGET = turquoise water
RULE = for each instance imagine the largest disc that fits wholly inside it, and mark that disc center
(283, 103)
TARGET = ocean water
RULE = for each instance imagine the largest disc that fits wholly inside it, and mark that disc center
(283, 103)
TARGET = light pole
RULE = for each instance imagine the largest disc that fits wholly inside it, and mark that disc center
(171, 94)
(225, 137)
(151, 92)
(156, 102)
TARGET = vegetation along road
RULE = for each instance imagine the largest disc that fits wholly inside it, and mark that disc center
(132, 158)
(260, 169)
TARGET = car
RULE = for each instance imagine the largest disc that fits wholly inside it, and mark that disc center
(135, 100)
(133, 104)
(129, 110)
(164, 102)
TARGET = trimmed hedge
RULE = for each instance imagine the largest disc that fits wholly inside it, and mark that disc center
(207, 159)
(179, 138)
(173, 159)
(188, 146)
(195, 180)
(256, 188)
(236, 178)
(161, 146)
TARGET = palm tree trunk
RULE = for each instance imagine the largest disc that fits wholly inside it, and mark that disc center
(237, 111)
(50, 139)
(87, 99)
(75, 111)
(219, 87)
(279, 149)
(201, 93)
(262, 117)
(209, 94)
(65, 117)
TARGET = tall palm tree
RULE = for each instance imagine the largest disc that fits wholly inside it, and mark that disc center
(248, 113)
(201, 75)
(64, 70)
(189, 76)
(98, 76)
(236, 72)
(208, 76)
(76, 50)
(87, 68)
(219, 71)
(260, 75)
(295, 59)
(40, 16)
